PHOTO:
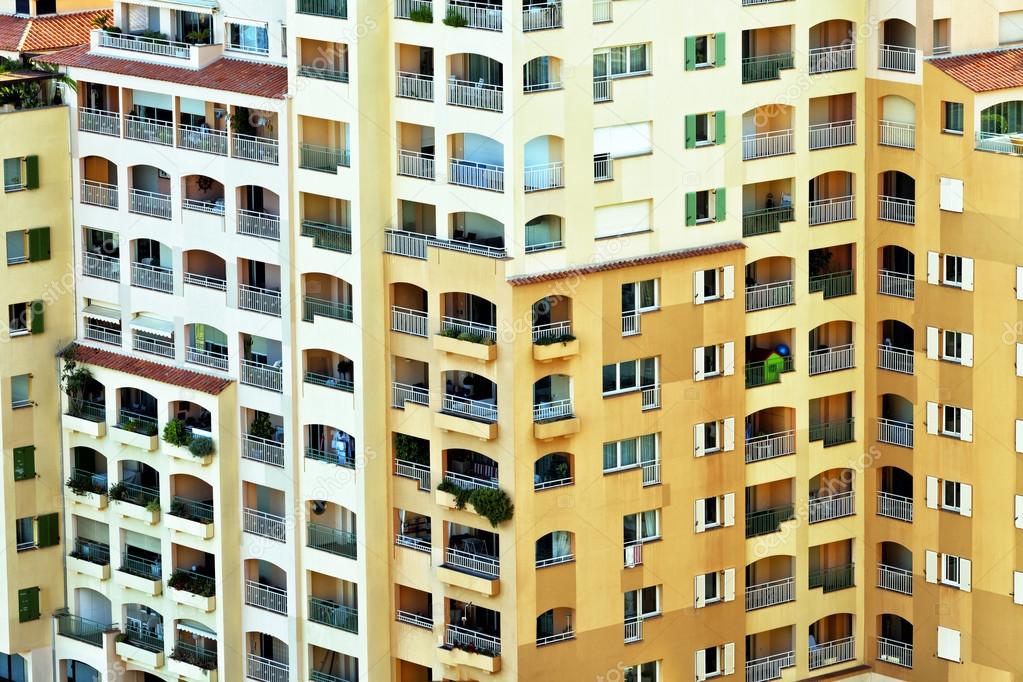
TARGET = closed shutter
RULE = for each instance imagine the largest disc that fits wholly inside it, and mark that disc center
(720, 204)
(690, 131)
(720, 123)
(37, 317)
(1017, 587)
(39, 244)
(729, 580)
(1019, 282)
(729, 429)
(728, 282)
(698, 447)
(728, 653)
(699, 516)
(965, 575)
(31, 172)
(729, 359)
(966, 499)
(1018, 511)
(690, 53)
(951, 198)
(1019, 359)
(948, 644)
(932, 343)
(933, 267)
(729, 509)
(690, 208)
(930, 566)
(28, 604)
(47, 530)
(24, 463)
(698, 364)
(698, 298)
(701, 665)
(967, 274)
(700, 590)
(1019, 435)
(932, 492)
(967, 349)
(932, 418)
(719, 49)
(966, 425)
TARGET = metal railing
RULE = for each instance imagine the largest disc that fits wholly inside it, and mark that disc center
(559, 637)
(897, 210)
(414, 86)
(149, 130)
(602, 11)
(259, 224)
(770, 445)
(894, 651)
(402, 243)
(98, 193)
(99, 121)
(415, 164)
(322, 158)
(478, 175)
(832, 359)
(541, 16)
(333, 614)
(832, 579)
(483, 564)
(340, 458)
(487, 331)
(831, 653)
(262, 375)
(93, 552)
(833, 284)
(894, 432)
(650, 397)
(413, 470)
(456, 636)
(253, 148)
(553, 410)
(336, 74)
(205, 281)
(206, 358)
(327, 381)
(762, 374)
(762, 145)
(100, 266)
(475, 95)
(651, 472)
(189, 652)
(328, 236)
(770, 593)
(896, 134)
(832, 210)
(82, 629)
(832, 58)
(133, 420)
(832, 134)
(768, 668)
(266, 670)
(766, 220)
(831, 506)
(895, 506)
(633, 629)
(155, 345)
(545, 483)
(336, 310)
(152, 204)
(895, 579)
(264, 524)
(409, 321)
(603, 167)
(479, 15)
(425, 622)
(466, 407)
(331, 540)
(413, 542)
(154, 277)
(150, 569)
(1000, 143)
(263, 450)
(203, 206)
(142, 637)
(260, 300)
(766, 521)
(771, 295)
(898, 284)
(766, 67)
(631, 323)
(602, 84)
(406, 393)
(202, 139)
(897, 58)
(154, 46)
(403, 9)
(895, 359)
(834, 432)
(544, 176)
(194, 510)
(552, 330)
(96, 412)
(337, 9)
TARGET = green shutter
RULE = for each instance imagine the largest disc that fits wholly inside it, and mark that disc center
(690, 131)
(719, 127)
(690, 53)
(24, 463)
(37, 317)
(719, 49)
(28, 604)
(39, 244)
(690, 208)
(31, 172)
(47, 530)
(719, 204)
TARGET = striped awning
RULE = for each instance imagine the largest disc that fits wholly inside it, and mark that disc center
(196, 629)
(98, 312)
(153, 325)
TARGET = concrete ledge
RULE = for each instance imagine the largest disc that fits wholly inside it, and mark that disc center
(555, 429)
(150, 586)
(86, 426)
(138, 440)
(196, 601)
(555, 351)
(134, 511)
(151, 659)
(459, 657)
(479, 351)
(98, 571)
(203, 531)
(489, 587)
(450, 422)
(93, 500)
(190, 672)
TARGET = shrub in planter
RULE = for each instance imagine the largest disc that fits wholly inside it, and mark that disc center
(152, 506)
(492, 504)
(450, 333)
(454, 18)
(176, 433)
(121, 638)
(84, 486)
(186, 656)
(189, 582)
(261, 426)
(461, 494)
(201, 446)
(117, 491)
(551, 340)
(422, 14)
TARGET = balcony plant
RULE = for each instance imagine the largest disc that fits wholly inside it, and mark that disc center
(199, 37)
(551, 340)
(423, 15)
(84, 486)
(492, 504)
(189, 582)
(461, 494)
(191, 658)
(261, 426)
(176, 433)
(73, 381)
(454, 18)
(467, 336)
(201, 446)
(152, 506)
(118, 492)
(409, 449)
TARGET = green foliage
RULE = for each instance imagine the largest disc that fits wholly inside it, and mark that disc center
(493, 504)
(200, 37)
(190, 582)
(454, 18)
(422, 14)
(121, 638)
(189, 657)
(73, 381)
(261, 427)
(467, 336)
(994, 123)
(411, 449)
(152, 506)
(118, 491)
(461, 494)
(201, 446)
(176, 433)
(550, 340)
(101, 21)
(83, 485)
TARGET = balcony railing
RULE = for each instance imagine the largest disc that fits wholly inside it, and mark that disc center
(338, 9)
(202, 139)
(253, 148)
(415, 164)
(260, 300)
(895, 579)
(149, 130)
(262, 375)
(322, 158)
(895, 652)
(265, 670)
(832, 653)
(205, 281)
(833, 134)
(895, 359)
(263, 450)
(335, 456)
(331, 540)
(766, 521)
(761, 145)
(770, 593)
(833, 284)
(898, 58)
(410, 618)
(82, 629)
(267, 597)
(770, 445)
(894, 432)
(832, 58)
(203, 206)
(99, 121)
(762, 373)
(999, 143)
(154, 277)
(328, 381)
(832, 506)
(833, 578)
(603, 167)
(772, 295)
(192, 509)
(155, 345)
(102, 334)
(413, 542)
(93, 411)
(148, 203)
(544, 640)
(602, 11)
(487, 331)
(631, 323)
(335, 73)
(553, 410)
(402, 243)
(409, 321)
(897, 210)
(259, 224)
(150, 569)
(404, 393)
(335, 310)
(832, 359)
(472, 409)
(479, 15)
(633, 629)
(898, 284)
(650, 397)
(475, 95)
(482, 564)
(651, 472)
(544, 176)
(328, 236)
(333, 614)
(142, 636)
(539, 17)
(766, 220)
(456, 636)
(415, 86)
(832, 210)
(99, 194)
(895, 506)
(834, 432)
(765, 68)
(413, 470)
(895, 134)
(602, 84)
(768, 668)
(100, 266)
(144, 44)
(403, 9)
(473, 174)
(206, 358)
(264, 524)
(553, 330)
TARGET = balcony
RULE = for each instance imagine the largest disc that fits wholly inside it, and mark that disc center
(833, 578)
(833, 359)
(259, 224)
(832, 58)
(769, 371)
(897, 210)
(263, 450)
(90, 558)
(770, 593)
(475, 95)
(151, 130)
(83, 629)
(478, 410)
(334, 615)
(409, 321)
(99, 121)
(202, 139)
(770, 445)
(762, 145)
(141, 644)
(101, 266)
(765, 521)
(481, 15)
(152, 277)
(97, 193)
(895, 359)
(413, 164)
(267, 670)
(473, 562)
(896, 134)
(465, 173)
(894, 432)
(757, 69)
(765, 220)
(544, 176)
(768, 667)
(322, 158)
(413, 470)
(265, 525)
(336, 9)
(267, 597)
(411, 85)
(331, 540)
(832, 134)
(833, 284)
(416, 10)
(897, 58)
(895, 579)
(335, 310)
(835, 432)
(830, 507)
(153, 204)
(895, 652)
(832, 653)
(259, 300)
(467, 647)
(832, 210)
(897, 284)
(255, 148)
(540, 15)
(406, 393)
(262, 375)
(771, 295)
(893, 506)
(144, 45)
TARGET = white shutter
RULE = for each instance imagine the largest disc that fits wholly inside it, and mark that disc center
(729, 429)
(932, 492)
(729, 580)
(698, 287)
(1018, 511)
(967, 349)
(729, 506)
(1017, 587)
(933, 267)
(701, 665)
(932, 418)
(932, 343)
(951, 198)
(930, 566)
(700, 590)
(728, 282)
(698, 447)
(699, 516)
(1019, 282)
(1019, 359)
(965, 575)
(729, 359)
(966, 425)
(729, 656)
(965, 499)
(698, 364)
(948, 644)
(1019, 435)
(630, 139)
(967, 274)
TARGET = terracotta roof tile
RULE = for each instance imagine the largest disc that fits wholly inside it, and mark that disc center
(62, 30)
(984, 71)
(626, 263)
(12, 30)
(232, 75)
(154, 371)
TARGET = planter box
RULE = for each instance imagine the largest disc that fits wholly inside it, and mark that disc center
(150, 586)
(450, 422)
(86, 426)
(93, 500)
(204, 604)
(191, 672)
(98, 571)
(448, 500)
(479, 351)
(138, 440)
(180, 452)
(203, 531)
(555, 351)
(151, 659)
(555, 429)
(134, 511)
(458, 657)
(489, 587)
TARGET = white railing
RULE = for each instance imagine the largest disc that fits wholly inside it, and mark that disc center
(403, 9)
(415, 164)
(464, 637)
(257, 299)
(634, 555)
(200, 139)
(769, 668)
(409, 321)
(402, 243)
(895, 579)
(262, 375)
(835, 134)
(109, 335)
(651, 472)
(477, 563)
(405, 393)
(832, 210)
(474, 409)
(556, 409)
(99, 193)
(99, 121)
(418, 544)
(152, 345)
(898, 58)
(470, 482)
(602, 87)
(633, 629)
(897, 210)
(833, 58)
(897, 284)
(265, 525)
(207, 358)
(152, 277)
(205, 281)
(100, 266)
(540, 17)
(895, 506)
(553, 330)
(415, 86)
(149, 130)
(544, 176)
(894, 432)
(203, 206)
(895, 359)
(603, 167)
(258, 224)
(263, 450)
(832, 506)
(252, 148)
(155, 46)
(770, 593)
(551, 639)
(999, 143)
(264, 670)
(266, 596)
(761, 145)
(149, 203)
(892, 651)
(650, 397)
(417, 472)
(478, 175)
(832, 359)
(895, 134)
(630, 324)
(479, 15)
(771, 295)
(601, 11)
(467, 247)
(410, 618)
(475, 95)
(487, 331)
(830, 653)
(770, 445)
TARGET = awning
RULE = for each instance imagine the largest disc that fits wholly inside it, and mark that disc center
(240, 21)
(98, 312)
(194, 5)
(153, 325)
(196, 629)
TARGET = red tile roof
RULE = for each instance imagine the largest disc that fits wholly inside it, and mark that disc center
(154, 371)
(626, 263)
(232, 75)
(985, 71)
(39, 34)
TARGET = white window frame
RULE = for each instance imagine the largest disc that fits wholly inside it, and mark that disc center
(716, 506)
(710, 125)
(717, 361)
(947, 562)
(712, 653)
(638, 444)
(637, 671)
(638, 297)
(956, 494)
(957, 265)
(640, 538)
(629, 72)
(638, 374)
(957, 341)
(957, 416)
(714, 428)
(713, 578)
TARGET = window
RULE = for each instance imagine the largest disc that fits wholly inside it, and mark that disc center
(715, 512)
(705, 206)
(622, 454)
(630, 375)
(950, 498)
(12, 666)
(710, 361)
(20, 387)
(711, 290)
(953, 275)
(641, 527)
(643, 603)
(31, 245)
(25, 318)
(644, 672)
(248, 38)
(711, 662)
(952, 422)
(711, 585)
(954, 496)
(950, 574)
(711, 440)
(13, 176)
(952, 117)
(705, 129)
(709, 515)
(704, 51)
(952, 349)
(715, 436)
(640, 297)
(950, 270)
(949, 420)
(714, 661)
(25, 531)
(16, 252)
(626, 60)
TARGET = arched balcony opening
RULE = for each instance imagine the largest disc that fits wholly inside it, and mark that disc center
(832, 420)
(831, 347)
(69, 669)
(472, 628)
(476, 82)
(326, 296)
(895, 494)
(832, 271)
(469, 469)
(895, 425)
(767, 131)
(266, 586)
(556, 547)
(768, 356)
(896, 271)
(137, 411)
(541, 73)
(411, 382)
(206, 346)
(895, 640)
(152, 265)
(832, 121)
(765, 206)
(92, 616)
(194, 571)
(329, 369)
(769, 283)
(470, 395)
(266, 658)
(149, 192)
(416, 151)
(475, 161)
(191, 498)
(259, 212)
(477, 231)
(831, 198)
(544, 163)
(831, 495)
(553, 470)
(769, 652)
(88, 470)
(543, 233)
(325, 443)
(552, 398)
(99, 182)
(552, 320)
(898, 46)
(202, 194)
(832, 641)
(143, 627)
(468, 315)
(896, 197)
(895, 352)
(770, 581)
(554, 625)
(409, 309)
(205, 269)
(898, 122)
(895, 568)
(195, 644)
(138, 484)
(832, 46)
(770, 433)
(331, 528)
(1000, 129)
